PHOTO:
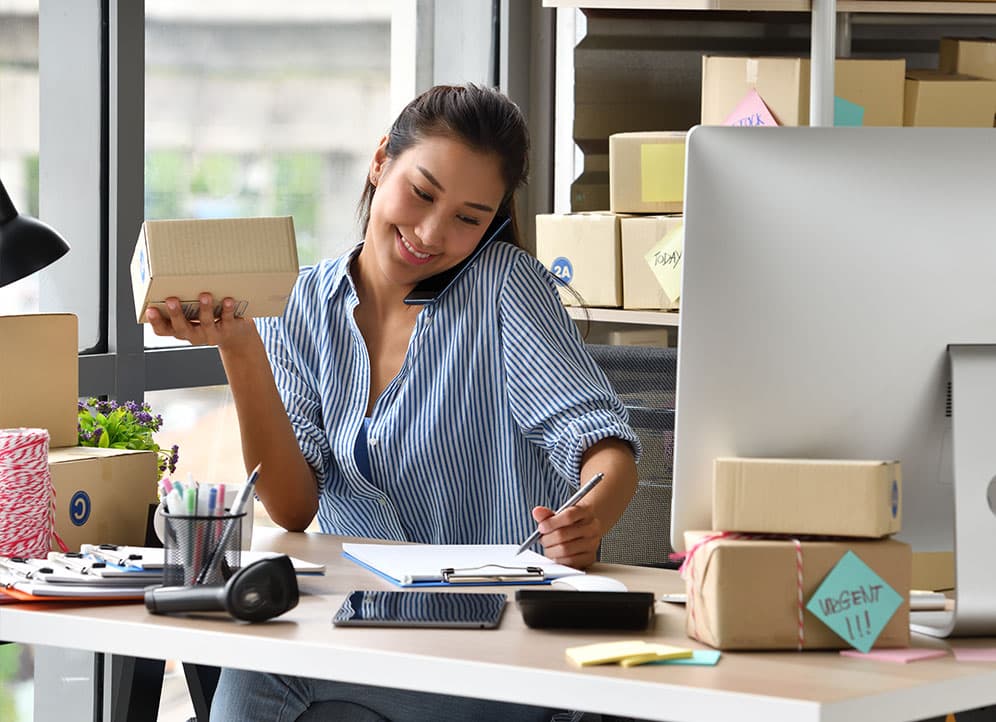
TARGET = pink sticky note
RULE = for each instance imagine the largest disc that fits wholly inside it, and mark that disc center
(977, 654)
(751, 111)
(899, 656)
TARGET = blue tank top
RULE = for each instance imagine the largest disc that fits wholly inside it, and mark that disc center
(361, 452)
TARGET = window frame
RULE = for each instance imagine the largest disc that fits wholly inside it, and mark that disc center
(91, 183)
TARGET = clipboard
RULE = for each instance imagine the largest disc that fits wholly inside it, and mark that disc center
(447, 565)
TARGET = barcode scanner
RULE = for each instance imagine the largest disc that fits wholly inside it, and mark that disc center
(262, 590)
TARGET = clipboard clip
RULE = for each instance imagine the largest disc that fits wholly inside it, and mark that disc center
(493, 573)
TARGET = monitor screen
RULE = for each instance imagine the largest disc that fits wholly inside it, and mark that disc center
(826, 271)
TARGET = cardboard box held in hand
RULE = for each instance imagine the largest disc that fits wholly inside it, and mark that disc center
(251, 260)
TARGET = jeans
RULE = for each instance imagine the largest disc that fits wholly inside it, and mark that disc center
(243, 696)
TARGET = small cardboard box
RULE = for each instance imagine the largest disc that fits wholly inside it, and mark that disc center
(102, 496)
(968, 56)
(783, 84)
(647, 172)
(744, 594)
(252, 260)
(39, 374)
(935, 99)
(638, 234)
(582, 249)
(803, 496)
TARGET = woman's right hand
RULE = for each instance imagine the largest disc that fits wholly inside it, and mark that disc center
(227, 332)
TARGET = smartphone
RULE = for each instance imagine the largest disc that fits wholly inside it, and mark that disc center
(429, 289)
(467, 610)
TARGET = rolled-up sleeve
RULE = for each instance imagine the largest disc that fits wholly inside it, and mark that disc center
(294, 359)
(558, 395)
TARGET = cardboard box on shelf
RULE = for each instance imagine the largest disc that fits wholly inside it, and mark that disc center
(744, 594)
(968, 56)
(252, 260)
(647, 172)
(39, 374)
(102, 496)
(807, 496)
(935, 99)
(638, 234)
(582, 249)
(877, 86)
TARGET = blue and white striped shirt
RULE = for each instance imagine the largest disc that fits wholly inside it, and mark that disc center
(494, 405)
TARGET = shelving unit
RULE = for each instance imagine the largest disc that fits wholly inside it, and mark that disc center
(619, 315)
(830, 36)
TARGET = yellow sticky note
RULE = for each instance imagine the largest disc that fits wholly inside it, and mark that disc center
(662, 172)
(606, 652)
(664, 260)
(660, 651)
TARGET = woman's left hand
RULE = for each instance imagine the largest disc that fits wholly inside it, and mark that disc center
(570, 537)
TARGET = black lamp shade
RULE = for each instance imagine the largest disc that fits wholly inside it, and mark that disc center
(26, 244)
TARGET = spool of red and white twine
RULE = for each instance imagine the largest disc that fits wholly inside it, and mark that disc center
(27, 497)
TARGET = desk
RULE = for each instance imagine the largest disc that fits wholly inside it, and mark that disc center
(515, 663)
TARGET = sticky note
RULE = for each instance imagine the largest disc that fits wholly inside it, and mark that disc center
(854, 602)
(659, 652)
(664, 260)
(751, 111)
(978, 654)
(662, 172)
(610, 652)
(699, 658)
(900, 656)
(847, 114)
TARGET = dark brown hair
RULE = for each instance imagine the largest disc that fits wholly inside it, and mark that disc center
(483, 118)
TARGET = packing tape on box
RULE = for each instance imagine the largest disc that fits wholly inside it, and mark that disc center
(687, 571)
(27, 497)
(751, 66)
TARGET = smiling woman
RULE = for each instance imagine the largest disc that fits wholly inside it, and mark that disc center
(465, 420)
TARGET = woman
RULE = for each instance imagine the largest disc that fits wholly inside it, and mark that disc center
(464, 420)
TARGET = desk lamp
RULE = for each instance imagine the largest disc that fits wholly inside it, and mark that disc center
(26, 244)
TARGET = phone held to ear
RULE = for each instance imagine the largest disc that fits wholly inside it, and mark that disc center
(428, 290)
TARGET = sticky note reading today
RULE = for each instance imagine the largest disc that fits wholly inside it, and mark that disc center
(664, 260)
(854, 602)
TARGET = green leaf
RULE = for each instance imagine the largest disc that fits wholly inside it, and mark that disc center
(105, 440)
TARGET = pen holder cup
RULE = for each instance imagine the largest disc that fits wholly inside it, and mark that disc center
(200, 549)
(159, 523)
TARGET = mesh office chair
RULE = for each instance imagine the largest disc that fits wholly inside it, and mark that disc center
(644, 378)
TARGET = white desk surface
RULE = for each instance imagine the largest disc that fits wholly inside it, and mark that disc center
(515, 663)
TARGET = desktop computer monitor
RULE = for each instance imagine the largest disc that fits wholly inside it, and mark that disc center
(826, 273)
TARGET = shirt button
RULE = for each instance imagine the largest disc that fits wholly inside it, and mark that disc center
(372, 441)
(383, 501)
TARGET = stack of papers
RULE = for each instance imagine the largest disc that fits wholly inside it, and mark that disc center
(99, 572)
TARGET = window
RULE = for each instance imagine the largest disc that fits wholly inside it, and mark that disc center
(19, 129)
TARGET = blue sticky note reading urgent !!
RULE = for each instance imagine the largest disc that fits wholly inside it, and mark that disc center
(854, 602)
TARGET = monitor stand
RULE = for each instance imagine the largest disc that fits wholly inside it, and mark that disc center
(973, 389)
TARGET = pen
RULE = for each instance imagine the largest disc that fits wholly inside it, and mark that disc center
(238, 507)
(575, 498)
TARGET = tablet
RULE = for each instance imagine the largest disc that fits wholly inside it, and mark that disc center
(420, 609)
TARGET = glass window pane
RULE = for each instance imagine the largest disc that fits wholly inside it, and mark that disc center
(19, 129)
(203, 423)
(255, 109)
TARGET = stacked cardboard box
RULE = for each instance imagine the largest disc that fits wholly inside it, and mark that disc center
(876, 87)
(101, 495)
(781, 526)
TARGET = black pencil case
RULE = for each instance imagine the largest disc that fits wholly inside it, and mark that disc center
(554, 609)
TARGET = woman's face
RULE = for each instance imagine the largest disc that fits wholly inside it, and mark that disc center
(430, 209)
